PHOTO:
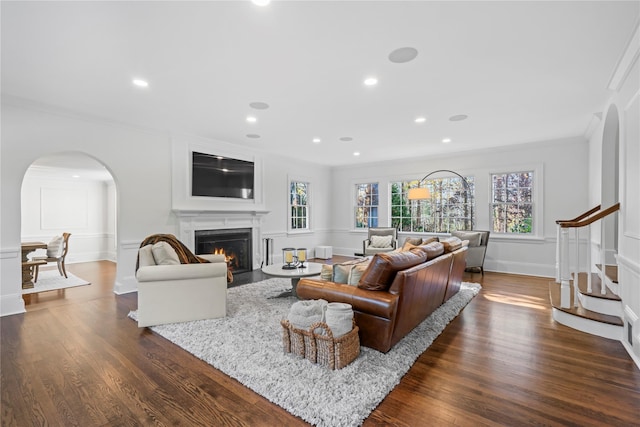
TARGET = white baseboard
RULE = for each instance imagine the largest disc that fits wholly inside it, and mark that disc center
(11, 304)
(125, 286)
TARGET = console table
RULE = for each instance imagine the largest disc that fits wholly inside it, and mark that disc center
(27, 266)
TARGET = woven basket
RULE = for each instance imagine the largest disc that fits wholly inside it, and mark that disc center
(325, 350)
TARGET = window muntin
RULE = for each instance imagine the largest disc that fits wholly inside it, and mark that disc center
(366, 205)
(450, 207)
(512, 202)
(299, 205)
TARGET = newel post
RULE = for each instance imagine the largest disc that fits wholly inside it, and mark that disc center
(565, 273)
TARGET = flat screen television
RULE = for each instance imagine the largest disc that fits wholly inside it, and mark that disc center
(219, 176)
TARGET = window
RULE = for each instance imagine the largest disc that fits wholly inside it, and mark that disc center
(512, 202)
(299, 205)
(450, 207)
(366, 208)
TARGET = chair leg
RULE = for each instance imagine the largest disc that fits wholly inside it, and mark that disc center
(63, 270)
(36, 269)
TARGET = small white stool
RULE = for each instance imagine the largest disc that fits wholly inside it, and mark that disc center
(323, 252)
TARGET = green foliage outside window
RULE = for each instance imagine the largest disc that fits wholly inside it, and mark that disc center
(366, 209)
(512, 202)
(449, 208)
(299, 207)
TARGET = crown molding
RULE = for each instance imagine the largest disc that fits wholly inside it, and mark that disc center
(626, 61)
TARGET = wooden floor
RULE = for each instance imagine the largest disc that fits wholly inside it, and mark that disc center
(76, 359)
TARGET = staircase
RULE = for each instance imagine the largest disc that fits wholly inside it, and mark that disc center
(585, 300)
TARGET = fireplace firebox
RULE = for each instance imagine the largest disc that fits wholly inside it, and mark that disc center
(235, 244)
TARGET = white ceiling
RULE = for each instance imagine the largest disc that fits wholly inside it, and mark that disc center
(521, 71)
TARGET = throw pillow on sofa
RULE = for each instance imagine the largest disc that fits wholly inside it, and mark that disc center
(451, 244)
(342, 272)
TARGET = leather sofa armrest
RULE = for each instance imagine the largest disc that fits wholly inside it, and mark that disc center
(158, 273)
(377, 303)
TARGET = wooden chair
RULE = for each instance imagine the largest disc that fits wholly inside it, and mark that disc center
(58, 258)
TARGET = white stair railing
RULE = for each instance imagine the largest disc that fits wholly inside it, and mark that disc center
(563, 267)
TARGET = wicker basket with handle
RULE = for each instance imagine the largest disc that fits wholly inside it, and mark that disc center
(323, 349)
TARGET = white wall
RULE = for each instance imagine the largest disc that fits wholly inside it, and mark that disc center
(564, 187)
(53, 204)
(626, 98)
(140, 163)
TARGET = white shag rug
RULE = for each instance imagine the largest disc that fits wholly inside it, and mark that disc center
(51, 280)
(247, 345)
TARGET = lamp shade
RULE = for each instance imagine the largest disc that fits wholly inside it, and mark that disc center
(419, 193)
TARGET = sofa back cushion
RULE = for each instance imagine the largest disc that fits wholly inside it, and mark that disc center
(433, 249)
(451, 244)
(382, 268)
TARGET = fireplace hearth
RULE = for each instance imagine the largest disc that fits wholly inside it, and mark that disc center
(235, 244)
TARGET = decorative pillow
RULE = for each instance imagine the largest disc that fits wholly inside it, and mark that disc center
(145, 256)
(356, 273)
(164, 254)
(413, 240)
(341, 273)
(327, 272)
(451, 244)
(429, 240)
(407, 246)
(474, 237)
(54, 247)
(381, 241)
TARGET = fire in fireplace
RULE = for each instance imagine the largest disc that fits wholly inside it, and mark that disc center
(235, 244)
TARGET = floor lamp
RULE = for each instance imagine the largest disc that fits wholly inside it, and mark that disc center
(423, 193)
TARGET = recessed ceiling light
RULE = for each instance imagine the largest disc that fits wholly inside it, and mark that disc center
(420, 119)
(346, 139)
(403, 54)
(259, 105)
(446, 140)
(261, 2)
(225, 170)
(251, 119)
(253, 135)
(356, 153)
(458, 118)
(316, 140)
(75, 176)
(370, 81)
(140, 83)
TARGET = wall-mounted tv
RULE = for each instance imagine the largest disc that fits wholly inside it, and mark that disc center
(219, 176)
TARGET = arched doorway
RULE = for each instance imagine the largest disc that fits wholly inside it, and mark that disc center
(609, 193)
(71, 192)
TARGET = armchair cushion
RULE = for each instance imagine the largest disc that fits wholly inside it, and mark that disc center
(164, 254)
(54, 247)
(381, 241)
(145, 256)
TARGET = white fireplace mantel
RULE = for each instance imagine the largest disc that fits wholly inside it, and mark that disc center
(191, 221)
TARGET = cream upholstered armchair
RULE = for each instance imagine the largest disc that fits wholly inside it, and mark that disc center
(380, 239)
(169, 291)
(478, 241)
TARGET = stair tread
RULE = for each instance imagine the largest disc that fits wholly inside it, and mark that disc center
(596, 287)
(554, 293)
(611, 271)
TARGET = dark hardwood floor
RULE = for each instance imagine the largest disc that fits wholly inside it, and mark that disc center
(76, 359)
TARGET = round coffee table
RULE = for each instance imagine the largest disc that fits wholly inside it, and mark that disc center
(276, 270)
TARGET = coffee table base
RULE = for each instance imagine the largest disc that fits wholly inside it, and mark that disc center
(290, 293)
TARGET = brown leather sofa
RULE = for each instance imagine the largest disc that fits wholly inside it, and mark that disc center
(397, 291)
